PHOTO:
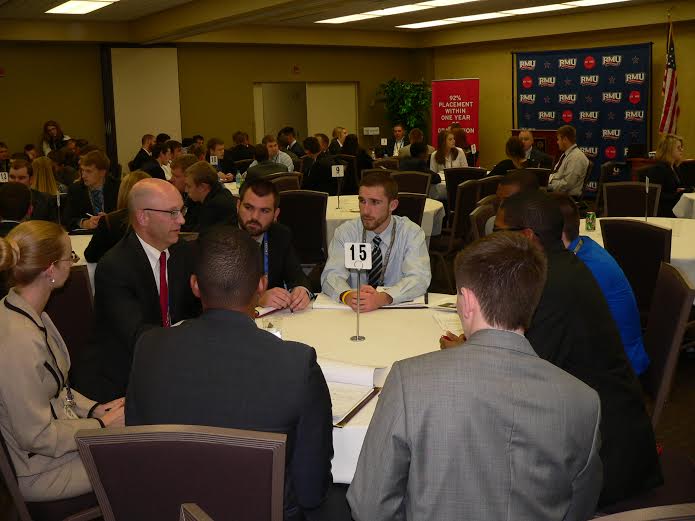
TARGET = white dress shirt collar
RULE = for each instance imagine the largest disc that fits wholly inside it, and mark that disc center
(153, 256)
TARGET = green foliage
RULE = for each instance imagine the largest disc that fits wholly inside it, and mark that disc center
(407, 102)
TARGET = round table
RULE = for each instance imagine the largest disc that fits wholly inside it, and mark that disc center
(682, 240)
(329, 331)
(685, 207)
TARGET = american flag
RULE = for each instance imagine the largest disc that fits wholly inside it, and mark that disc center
(669, 88)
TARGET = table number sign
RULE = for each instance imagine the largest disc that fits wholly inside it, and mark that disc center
(358, 255)
(4, 177)
(338, 171)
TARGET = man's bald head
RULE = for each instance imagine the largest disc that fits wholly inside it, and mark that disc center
(526, 138)
(147, 192)
(155, 208)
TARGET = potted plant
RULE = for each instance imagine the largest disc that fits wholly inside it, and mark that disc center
(407, 102)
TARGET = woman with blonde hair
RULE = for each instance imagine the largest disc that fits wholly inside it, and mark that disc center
(114, 225)
(39, 412)
(43, 179)
(669, 155)
(447, 155)
(336, 145)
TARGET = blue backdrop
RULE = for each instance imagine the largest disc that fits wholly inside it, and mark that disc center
(602, 92)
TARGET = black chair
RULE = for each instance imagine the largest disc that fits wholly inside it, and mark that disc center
(285, 182)
(412, 182)
(628, 199)
(411, 206)
(542, 174)
(488, 199)
(231, 474)
(608, 170)
(352, 177)
(479, 218)
(242, 165)
(639, 248)
(453, 177)
(389, 163)
(488, 185)
(686, 171)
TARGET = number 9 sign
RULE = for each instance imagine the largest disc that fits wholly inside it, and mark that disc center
(358, 255)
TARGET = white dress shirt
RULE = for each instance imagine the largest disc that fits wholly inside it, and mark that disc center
(459, 162)
(153, 256)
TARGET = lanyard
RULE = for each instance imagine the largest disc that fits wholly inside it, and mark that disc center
(265, 253)
(388, 251)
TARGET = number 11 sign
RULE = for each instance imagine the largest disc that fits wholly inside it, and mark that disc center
(358, 255)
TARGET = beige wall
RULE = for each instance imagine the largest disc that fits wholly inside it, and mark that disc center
(61, 82)
(491, 62)
(330, 105)
(216, 82)
(284, 104)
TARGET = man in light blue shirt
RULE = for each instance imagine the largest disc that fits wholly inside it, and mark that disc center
(275, 154)
(400, 259)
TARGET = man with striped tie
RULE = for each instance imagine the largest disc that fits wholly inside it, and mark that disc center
(400, 261)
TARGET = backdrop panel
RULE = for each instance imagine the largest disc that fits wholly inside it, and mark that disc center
(456, 101)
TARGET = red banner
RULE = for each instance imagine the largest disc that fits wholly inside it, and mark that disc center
(456, 101)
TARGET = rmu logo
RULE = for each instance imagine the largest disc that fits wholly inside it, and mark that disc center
(635, 77)
(612, 97)
(546, 116)
(612, 61)
(589, 152)
(591, 116)
(589, 81)
(634, 115)
(611, 133)
(529, 99)
(567, 99)
(567, 63)
(546, 81)
(527, 65)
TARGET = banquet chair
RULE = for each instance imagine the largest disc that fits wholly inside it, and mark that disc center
(680, 512)
(488, 185)
(192, 512)
(352, 177)
(297, 164)
(390, 163)
(686, 171)
(242, 165)
(412, 182)
(453, 177)
(479, 217)
(488, 199)
(234, 475)
(285, 182)
(628, 199)
(639, 248)
(80, 508)
(608, 169)
(411, 206)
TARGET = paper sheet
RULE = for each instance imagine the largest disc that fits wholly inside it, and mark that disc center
(344, 397)
(353, 374)
(448, 321)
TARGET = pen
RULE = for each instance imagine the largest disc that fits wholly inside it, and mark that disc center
(89, 215)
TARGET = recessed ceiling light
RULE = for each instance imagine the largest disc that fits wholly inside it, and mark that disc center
(445, 3)
(589, 3)
(399, 9)
(481, 16)
(79, 6)
(422, 25)
(538, 9)
(346, 19)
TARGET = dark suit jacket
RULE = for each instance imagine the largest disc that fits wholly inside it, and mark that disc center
(334, 147)
(284, 267)
(152, 167)
(6, 227)
(79, 204)
(44, 207)
(411, 164)
(661, 173)
(296, 149)
(219, 207)
(140, 159)
(388, 149)
(111, 229)
(539, 159)
(317, 174)
(573, 328)
(126, 303)
(241, 377)
(503, 167)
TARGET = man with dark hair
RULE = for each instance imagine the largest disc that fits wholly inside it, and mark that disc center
(237, 375)
(215, 156)
(316, 168)
(161, 156)
(4, 157)
(263, 165)
(95, 195)
(400, 260)
(534, 157)
(176, 148)
(44, 208)
(15, 206)
(198, 150)
(275, 154)
(324, 141)
(511, 184)
(216, 203)
(31, 152)
(162, 138)
(144, 153)
(291, 138)
(241, 150)
(258, 211)
(573, 328)
(198, 139)
(569, 172)
(612, 281)
(396, 142)
(415, 136)
(489, 430)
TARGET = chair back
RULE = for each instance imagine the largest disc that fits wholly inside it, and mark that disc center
(542, 174)
(479, 218)
(668, 316)
(285, 182)
(304, 212)
(390, 163)
(352, 177)
(411, 206)
(607, 170)
(379, 170)
(466, 197)
(453, 177)
(686, 171)
(192, 512)
(232, 474)
(412, 182)
(74, 299)
(488, 185)
(639, 248)
(488, 199)
(9, 477)
(242, 165)
(586, 180)
(628, 199)
(297, 164)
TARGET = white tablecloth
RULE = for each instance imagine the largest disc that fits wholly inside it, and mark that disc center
(329, 332)
(685, 207)
(232, 187)
(682, 240)
(79, 244)
(350, 209)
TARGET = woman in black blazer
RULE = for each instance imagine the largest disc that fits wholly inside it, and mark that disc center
(669, 154)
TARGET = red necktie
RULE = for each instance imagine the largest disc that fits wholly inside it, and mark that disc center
(163, 289)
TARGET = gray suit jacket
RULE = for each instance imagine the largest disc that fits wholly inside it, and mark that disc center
(569, 172)
(484, 431)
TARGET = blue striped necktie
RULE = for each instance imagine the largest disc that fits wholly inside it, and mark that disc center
(377, 264)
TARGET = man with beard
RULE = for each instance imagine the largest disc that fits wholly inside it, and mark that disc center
(288, 286)
(400, 260)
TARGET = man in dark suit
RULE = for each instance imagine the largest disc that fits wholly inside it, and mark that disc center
(44, 207)
(215, 203)
(140, 284)
(316, 168)
(573, 328)
(241, 150)
(534, 157)
(161, 155)
(237, 376)
(290, 137)
(94, 196)
(144, 153)
(15, 205)
(396, 142)
(258, 210)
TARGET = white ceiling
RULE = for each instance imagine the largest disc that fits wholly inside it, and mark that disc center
(121, 11)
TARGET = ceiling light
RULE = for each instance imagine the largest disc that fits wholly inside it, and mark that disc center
(481, 16)
(422, 25)
(590, 3)
(79, 6)
(399, 9)
(445, 3)
(346, 19)
(538, 9)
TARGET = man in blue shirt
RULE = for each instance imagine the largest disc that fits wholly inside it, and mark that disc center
(612, 281)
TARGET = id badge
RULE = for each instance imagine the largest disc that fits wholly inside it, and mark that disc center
(69, 408)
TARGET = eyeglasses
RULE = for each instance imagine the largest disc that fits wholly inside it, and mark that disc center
(74, 258)
(173, 213)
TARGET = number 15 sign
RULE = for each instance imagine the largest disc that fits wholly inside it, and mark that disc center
(358, 255)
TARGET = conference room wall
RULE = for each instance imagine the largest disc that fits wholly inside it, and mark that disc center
(491, 62)
(60, 82)
(216, 81)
